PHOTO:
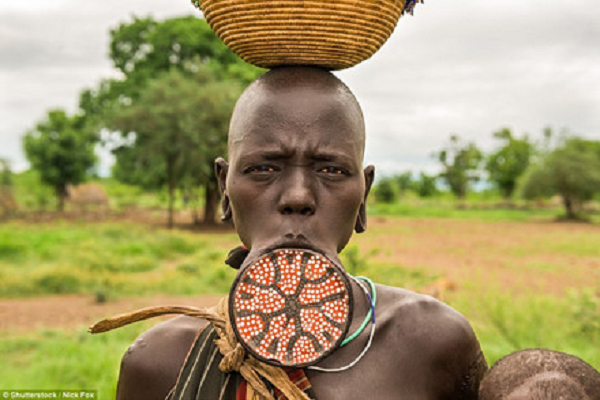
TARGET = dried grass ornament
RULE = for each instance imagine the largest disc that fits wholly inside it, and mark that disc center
(291, 307)
(331, 34)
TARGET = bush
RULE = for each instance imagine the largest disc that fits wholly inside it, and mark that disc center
(586, 312)
(58, 281)
(385, 191)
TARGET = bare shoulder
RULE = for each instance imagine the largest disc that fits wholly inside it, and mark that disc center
(151, 365)
(441, 339)
(424, 318)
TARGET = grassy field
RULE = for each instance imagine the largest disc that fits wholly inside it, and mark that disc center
(521, 284)
(111, 260)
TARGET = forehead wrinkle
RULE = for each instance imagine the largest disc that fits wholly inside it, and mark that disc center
(258, 117)
(248, 120)
(280, 146)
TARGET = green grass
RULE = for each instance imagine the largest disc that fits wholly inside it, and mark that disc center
(436, 209)
(506, 322)
(122, 260)
(116, 259)
(575, 245)
(486, 206)
(70, 360)
(30, 194)
(357, 264)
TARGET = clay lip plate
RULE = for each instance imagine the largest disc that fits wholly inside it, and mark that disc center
(291, 307)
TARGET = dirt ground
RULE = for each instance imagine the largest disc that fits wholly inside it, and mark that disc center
(523, 257)
(71, 311)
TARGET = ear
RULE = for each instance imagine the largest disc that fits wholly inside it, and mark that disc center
(361, 219)
(221, 170)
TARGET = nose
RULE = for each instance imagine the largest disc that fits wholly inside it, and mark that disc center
(298, 193)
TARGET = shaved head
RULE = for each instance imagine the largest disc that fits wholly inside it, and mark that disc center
(540, 374)
(302, 86)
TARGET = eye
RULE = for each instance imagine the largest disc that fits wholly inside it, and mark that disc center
(261, 169)
(332, 170)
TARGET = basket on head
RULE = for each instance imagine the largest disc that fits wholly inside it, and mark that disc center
(332, 34)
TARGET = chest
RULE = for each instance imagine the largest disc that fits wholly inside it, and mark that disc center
(374, 381)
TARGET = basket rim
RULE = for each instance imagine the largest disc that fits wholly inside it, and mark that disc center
(341, 6)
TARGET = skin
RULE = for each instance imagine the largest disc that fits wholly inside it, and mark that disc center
(533, 388)
(540, 374)
(295, 179)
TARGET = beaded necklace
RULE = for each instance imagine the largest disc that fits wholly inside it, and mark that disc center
(370, 315)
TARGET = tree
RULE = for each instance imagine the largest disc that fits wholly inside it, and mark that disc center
(385, 190)
(143, 47)
(61, 151)
(179, 126)
(460, 162)
(405, 182)
(426, 185)
(571, 171)
(8, 205)
(143, 50)
(5, 174)
(509, 162)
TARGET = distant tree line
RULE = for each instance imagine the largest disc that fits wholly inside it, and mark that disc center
(165, 118)
(7, 201)
(560, 165)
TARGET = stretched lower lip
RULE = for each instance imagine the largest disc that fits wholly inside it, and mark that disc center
(297, 242)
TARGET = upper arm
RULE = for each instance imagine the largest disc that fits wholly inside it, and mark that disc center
(458, 355)
(437, 346)
(150, 367)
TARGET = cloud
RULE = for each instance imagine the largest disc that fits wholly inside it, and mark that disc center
(51, 50)
(460, 67)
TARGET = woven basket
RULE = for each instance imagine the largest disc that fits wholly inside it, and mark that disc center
(333, 34)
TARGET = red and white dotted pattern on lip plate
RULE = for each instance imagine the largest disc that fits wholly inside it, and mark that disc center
(291, 306)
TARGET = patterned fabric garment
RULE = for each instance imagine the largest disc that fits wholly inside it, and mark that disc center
(201, 379)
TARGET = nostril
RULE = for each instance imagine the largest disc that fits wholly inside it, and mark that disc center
(306, 211)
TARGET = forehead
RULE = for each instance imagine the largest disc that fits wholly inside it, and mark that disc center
(303, 117)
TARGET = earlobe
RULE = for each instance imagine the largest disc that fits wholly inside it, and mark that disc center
(221, 170)
(361, 219)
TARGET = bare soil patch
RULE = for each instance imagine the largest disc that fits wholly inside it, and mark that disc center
(523, 257)
(72, 311)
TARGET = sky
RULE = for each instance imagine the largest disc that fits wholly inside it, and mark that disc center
(466, 67)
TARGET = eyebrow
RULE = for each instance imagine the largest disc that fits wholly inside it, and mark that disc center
(278, 154)
(331, 156)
